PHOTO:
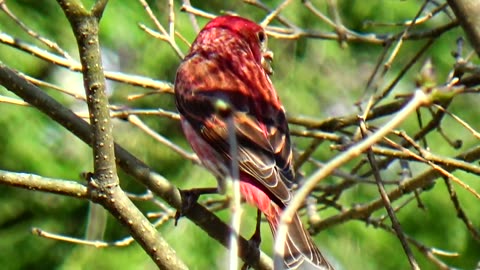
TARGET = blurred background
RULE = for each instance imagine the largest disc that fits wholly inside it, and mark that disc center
(314, 77)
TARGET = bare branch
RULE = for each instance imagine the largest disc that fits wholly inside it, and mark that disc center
(36, 182)
(467, 12)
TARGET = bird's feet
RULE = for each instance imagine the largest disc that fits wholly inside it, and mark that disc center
(254, 243)
(189, 198)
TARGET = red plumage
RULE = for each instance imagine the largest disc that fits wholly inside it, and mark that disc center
(228, 62)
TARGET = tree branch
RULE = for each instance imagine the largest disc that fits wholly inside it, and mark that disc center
(467, 13)
(36, 182)
(129, 164)
(419, 99)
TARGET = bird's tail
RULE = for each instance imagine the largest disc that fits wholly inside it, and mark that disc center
(300, 252)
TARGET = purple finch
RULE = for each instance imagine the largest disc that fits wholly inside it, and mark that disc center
(228, 63)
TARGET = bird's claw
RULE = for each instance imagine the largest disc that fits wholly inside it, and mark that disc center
(189, 198)
(253, 250)
(254, 243)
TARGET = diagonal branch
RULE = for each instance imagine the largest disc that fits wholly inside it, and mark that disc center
(419, 99)
(203, 218)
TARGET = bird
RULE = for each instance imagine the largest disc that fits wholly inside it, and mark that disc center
(229, 64)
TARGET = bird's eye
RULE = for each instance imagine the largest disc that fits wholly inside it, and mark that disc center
(261, 37)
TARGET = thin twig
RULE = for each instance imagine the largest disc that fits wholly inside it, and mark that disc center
(136, 80)
(168, 37)
(387, 204)
(135, 120)
(51, 44)
(460, 212)
(235, 204)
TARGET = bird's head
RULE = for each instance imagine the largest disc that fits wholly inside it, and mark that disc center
(250, 32)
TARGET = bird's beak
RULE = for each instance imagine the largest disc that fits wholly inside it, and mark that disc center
(267, 58)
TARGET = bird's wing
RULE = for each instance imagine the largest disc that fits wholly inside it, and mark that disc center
(264, 150)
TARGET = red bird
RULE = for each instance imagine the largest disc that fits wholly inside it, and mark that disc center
(228, 63)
